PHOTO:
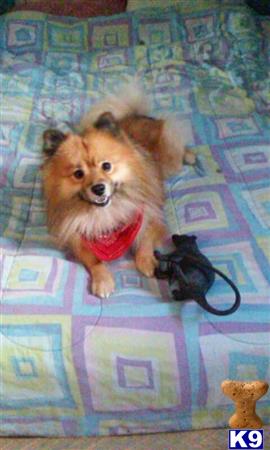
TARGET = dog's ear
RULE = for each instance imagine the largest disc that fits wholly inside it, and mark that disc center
(107, 122)
(51, 140)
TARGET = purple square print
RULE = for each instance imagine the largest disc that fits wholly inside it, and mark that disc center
(199, 211)
(124, 364)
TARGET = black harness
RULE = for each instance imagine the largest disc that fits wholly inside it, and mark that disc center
(192, 273)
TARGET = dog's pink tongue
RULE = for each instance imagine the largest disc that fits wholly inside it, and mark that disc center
(114, 245)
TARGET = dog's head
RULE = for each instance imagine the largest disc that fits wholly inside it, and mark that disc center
(92, 167)
(100, 172)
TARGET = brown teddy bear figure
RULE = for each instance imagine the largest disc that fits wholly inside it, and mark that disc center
(245, 395)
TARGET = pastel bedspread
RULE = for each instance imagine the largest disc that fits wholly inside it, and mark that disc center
(138, 362)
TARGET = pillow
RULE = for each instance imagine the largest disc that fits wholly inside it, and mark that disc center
(183, 6)
(137, 4)
(78, 8)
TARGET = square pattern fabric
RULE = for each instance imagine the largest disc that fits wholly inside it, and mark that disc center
(73, 365)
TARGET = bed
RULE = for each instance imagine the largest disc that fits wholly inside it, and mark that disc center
(75, 365)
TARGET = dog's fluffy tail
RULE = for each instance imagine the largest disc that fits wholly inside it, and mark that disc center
(129, 100)
(173, 151)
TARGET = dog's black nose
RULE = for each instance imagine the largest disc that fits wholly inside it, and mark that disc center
(98, 189)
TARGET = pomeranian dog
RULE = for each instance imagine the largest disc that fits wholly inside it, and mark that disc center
(104, 186)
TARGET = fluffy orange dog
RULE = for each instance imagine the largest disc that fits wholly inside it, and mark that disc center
(104, 186)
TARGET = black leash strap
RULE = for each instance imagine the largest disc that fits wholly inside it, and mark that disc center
(201, 300)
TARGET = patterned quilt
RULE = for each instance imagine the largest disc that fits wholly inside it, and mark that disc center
(139, 362)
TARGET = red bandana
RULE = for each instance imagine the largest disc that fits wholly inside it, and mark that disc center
(112, 246)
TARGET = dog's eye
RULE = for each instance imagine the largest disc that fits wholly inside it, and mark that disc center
(106, 166)
(79, 174)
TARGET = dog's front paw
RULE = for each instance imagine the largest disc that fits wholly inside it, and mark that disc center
(102, 284)
(146, 264)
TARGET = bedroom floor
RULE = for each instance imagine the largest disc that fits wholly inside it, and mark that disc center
(186, 440)
(192, 440)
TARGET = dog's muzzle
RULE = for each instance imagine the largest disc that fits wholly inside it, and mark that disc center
(98, 194)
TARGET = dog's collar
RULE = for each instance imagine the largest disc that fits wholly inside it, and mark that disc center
(113, 245)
